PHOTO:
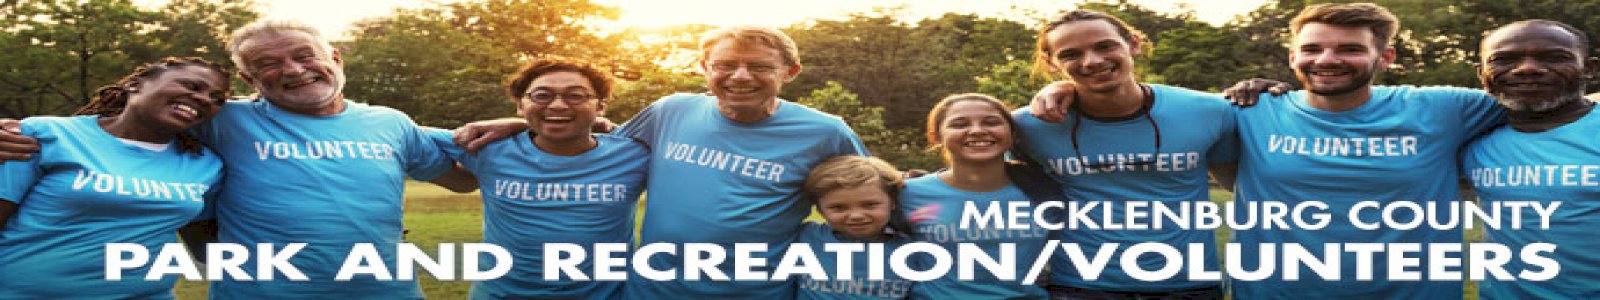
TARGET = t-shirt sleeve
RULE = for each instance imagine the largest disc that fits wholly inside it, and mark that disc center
(423, 159)
(849, 143)
(1479, 111)
(18, 177)
(445, 140)
(643, 126)
(1226, 148)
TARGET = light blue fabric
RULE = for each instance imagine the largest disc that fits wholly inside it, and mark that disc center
(859, 286)
(86, 189)
(1556, 165)
(1196, 130)
(1399, 146)
(532, 198)
(714, 180)
(330, 181)
(935, 208)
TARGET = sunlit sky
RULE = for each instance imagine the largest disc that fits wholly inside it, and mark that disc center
(334, 17)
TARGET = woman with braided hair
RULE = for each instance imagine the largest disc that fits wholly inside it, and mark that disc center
(121, 170)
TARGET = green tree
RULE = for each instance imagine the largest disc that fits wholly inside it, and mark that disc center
(454, 81)
(473, 46)
(902, 67)
(57, 52)
(900, 147)
(1012, 82)
(630, 97)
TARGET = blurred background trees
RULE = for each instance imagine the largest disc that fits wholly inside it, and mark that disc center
(877, 69)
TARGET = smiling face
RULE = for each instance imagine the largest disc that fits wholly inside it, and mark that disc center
(858, 212)
(559, 122)
(1337, 60)
(1092, 54)
(746, 77)
(178, 98)
(1534, 67)
(974, 131)
(294, 71)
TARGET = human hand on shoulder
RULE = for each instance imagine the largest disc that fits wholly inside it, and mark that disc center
(1248, 91)
(473, 136)
(1051, 103)
(13, 145)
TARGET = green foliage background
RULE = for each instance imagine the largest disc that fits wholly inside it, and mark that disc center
(444, 64)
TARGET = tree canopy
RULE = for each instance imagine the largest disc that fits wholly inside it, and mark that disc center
(445, 64)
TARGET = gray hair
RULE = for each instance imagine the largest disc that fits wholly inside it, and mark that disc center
(262, 28)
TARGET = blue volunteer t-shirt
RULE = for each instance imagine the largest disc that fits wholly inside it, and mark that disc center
(86, 189)
(1559, 165)
(532, 198)
(859, 286)
(1399, 146)
(935, 209)
(1119, 163)
(714, 180)
(328, 181)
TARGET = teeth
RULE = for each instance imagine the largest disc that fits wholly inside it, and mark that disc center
(307, 80)
(978, 143)
(187, 109)
(558, 119)
(740, 89)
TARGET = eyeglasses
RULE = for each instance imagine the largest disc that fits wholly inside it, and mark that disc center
(1077, 120)
(545, 98)
(757, 68)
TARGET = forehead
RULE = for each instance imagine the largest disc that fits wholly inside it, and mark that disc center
(278, 43)
(560, 79)
(191, 73)
(735, 50)
(869, 191)
(1531, 37)
(1077, 34)
(1324, 34)
(972, 108)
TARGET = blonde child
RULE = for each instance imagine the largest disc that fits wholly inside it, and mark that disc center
(856, 196)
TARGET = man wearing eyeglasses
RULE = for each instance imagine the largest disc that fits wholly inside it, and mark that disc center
(725, 167)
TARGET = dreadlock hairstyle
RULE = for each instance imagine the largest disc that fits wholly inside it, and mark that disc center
(110, 100)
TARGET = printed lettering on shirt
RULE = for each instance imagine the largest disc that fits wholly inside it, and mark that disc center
(138, 187)
(886, 288)
(1535, 175)
(1405, 145)
(749, 167)
(549, 191)
(1123, 162)
(266, 150)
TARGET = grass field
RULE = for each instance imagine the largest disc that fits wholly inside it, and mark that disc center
(435, 215)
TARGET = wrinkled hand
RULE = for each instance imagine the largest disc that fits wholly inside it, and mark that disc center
(475, 135)
(1248, 91)
(14, 145)
(1051, 103)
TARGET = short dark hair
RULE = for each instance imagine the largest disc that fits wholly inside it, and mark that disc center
(1383, 24)
(518, 82)
(1583, 38)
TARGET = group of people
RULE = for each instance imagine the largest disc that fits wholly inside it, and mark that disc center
(163, 148)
